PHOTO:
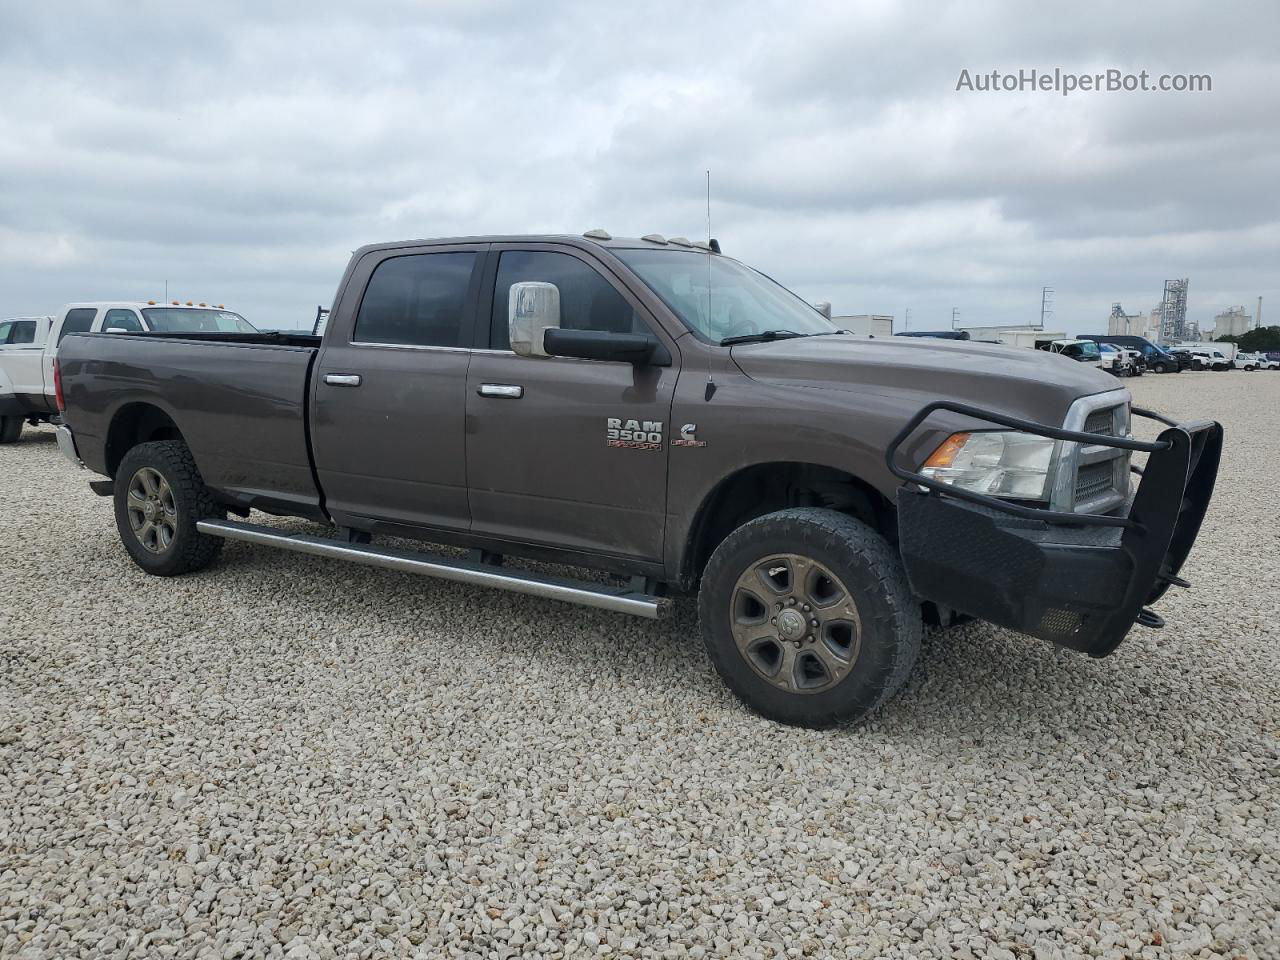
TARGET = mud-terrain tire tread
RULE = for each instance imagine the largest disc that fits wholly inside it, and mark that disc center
(898, 627)
(191, 550)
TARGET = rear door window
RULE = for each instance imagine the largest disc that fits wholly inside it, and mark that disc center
(79, 320)
(417, 300)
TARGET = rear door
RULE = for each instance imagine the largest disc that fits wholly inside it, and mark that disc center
(387, 420)
(542, 467)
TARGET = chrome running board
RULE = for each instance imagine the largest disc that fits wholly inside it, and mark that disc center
(619, 599)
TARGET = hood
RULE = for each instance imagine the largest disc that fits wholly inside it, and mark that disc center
(1035, 382)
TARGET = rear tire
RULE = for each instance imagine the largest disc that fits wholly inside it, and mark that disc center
(10, 429)
(159, 497)
(1159, 367)
(772, 580)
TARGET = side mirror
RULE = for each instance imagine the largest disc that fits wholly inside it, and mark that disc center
(824, 308)
(533, 308)
(636, 348)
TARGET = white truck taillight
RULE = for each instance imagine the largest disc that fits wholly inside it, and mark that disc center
(57, 387)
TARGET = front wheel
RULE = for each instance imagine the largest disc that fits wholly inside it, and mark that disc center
(1159, 368)
(10, 429)
(807, 616)
(159, 497)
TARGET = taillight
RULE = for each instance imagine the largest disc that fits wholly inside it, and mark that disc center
(57, 387)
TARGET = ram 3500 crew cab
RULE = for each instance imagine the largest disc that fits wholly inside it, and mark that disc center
(670, 415)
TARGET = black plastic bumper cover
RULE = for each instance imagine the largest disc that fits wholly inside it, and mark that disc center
(1080, 582)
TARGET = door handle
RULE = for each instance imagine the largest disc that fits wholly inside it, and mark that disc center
(342, 379)
(507, 391)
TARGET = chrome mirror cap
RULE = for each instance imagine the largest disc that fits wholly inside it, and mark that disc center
(533, 308)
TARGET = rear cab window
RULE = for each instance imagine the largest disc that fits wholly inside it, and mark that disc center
(79, 320)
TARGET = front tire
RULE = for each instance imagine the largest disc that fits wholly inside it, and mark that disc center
(159, 497)
(10, 429)
(807, 617)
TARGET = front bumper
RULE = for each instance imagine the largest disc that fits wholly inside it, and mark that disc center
(67, 444)
(1079, 580)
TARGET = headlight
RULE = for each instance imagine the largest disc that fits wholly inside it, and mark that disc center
(998, 463)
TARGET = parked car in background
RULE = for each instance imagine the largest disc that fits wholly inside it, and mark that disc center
(1269, 361)
(1204, 357)
(1082, 351)
(1158, 359)
(26, 363)
(1250, 361)
(20, 338)
(1121, 361)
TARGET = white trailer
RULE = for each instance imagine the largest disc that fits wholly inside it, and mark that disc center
(1228, 350)
(866, 324)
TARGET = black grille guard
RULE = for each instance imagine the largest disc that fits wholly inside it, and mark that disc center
(1077, 579)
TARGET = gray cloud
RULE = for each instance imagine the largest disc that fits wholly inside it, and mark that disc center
(242, 152)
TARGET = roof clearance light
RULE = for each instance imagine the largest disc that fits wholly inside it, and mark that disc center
(597, 234)
(681, 241)
(203, 304)
(190, 304)
(174, 302)
(654, 238)
(151, 303)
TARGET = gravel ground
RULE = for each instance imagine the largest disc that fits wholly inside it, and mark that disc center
(293, 757)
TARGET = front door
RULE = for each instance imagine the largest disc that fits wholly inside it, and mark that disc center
(567, 453)
(389, 389)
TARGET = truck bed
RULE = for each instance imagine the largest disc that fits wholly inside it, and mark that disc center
(239, 400)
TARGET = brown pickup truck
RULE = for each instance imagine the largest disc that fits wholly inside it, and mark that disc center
(657, 410)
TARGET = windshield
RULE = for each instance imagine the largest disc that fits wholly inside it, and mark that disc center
(188, 320)
(718, 298)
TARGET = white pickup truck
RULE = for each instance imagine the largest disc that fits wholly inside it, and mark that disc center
(29, 344)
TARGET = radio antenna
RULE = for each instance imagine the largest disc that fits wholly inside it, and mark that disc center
(708, 248)
(708, 208)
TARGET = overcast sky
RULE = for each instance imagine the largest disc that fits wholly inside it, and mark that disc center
(242, 150)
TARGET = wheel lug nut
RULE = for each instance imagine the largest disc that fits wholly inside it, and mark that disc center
(813, 622)
(807, 608)
(791, 601)
(773, 619)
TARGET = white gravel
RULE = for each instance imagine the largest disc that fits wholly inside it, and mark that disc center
(292, 757)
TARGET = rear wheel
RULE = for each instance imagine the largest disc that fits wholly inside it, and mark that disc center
(1159, 367)
(159, 497)
(807, 616)
(10, 429)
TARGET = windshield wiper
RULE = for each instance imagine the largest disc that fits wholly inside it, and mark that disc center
(761, 337)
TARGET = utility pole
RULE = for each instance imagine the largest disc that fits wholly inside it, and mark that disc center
(1046, 305)
(906, 321)
(955, 317)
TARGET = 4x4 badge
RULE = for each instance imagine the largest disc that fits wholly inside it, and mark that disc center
(688, 437)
